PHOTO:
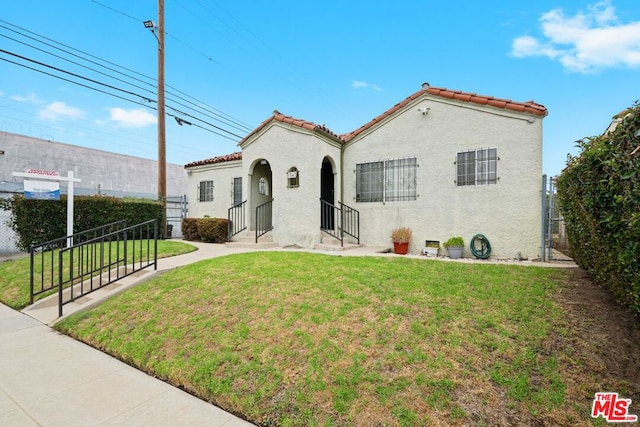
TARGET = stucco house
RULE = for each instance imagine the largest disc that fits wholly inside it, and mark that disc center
(442, 162)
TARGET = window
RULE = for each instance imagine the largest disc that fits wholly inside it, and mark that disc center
(400, 182)
(262, 187)
(387, 181)
(369, 179)
(237, 191)
(293, 179)
(205, 190)
(477, 167)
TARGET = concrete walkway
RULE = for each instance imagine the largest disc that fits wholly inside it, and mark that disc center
(49, 379)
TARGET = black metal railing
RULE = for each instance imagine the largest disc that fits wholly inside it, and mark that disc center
(90, 265)
(43, 275)
(339, 220)
(236, 217)
(328, 223)
(264, 222)
(350, 220)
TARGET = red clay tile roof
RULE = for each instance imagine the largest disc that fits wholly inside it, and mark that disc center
(213, 160)
(529, 107)
(278, 116)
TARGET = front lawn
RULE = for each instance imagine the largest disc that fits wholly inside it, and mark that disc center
(14, 274)
(292, 338)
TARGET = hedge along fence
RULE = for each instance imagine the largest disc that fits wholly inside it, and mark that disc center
(599, 193)
(210, 230)
(38, 221)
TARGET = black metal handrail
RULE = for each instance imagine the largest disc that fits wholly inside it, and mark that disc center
(339, 220)
(264, 222)
(330, 220)
(236, 217)
(93, 264)
(46, 252)
(350, 220)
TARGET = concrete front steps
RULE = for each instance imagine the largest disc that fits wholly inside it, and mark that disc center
(247, 240)
(330, 243)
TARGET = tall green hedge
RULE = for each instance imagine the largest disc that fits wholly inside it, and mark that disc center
(38, 221)
(599, 193)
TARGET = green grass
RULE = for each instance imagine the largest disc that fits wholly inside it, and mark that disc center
(14, 274)
(307, 339)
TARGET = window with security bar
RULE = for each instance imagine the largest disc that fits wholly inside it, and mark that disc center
(237, 191)
(477, 167)
(387, 181)
(205, 191)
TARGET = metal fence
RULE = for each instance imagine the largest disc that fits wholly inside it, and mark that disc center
(86, 267)
(177, 209)
(8, 238)
(556, 245)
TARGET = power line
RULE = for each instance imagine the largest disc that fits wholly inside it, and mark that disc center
(112, 94)
(211, 112)
(209, 58)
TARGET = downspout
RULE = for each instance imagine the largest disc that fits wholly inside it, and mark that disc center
(342, 172)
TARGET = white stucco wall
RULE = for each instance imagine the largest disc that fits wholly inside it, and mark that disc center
(507, 213)
(296, 211)
(222, 175)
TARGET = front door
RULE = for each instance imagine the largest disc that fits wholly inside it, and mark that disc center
(327, 214)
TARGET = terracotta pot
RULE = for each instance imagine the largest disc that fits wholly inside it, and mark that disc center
(401, 248)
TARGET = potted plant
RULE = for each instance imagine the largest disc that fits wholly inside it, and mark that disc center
(454, 246)
(401, 237)
(431, 247)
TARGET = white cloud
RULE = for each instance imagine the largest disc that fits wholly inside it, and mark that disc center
(586, 42)
(58, 110)
(132, 118)
(356, 84)
(30, 99)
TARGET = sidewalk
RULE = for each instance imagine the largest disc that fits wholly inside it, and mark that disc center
(49, 379)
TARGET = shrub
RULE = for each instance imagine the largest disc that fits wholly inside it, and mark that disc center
(455, 242)
(210, 230)
(190, 228)
(38, 221)
(600, 202)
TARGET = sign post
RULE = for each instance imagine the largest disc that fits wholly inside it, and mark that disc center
(46, 175)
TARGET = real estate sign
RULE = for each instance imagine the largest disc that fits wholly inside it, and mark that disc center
(41, 190)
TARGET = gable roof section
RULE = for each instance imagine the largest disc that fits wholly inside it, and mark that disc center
(279, 117)
(529, 107)
(214, 160)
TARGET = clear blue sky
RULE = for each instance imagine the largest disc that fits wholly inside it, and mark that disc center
(338, 63)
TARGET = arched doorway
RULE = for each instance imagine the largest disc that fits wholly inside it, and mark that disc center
(327, 195)
(261, 194)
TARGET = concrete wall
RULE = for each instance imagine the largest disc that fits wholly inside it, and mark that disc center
(101, 172)
(507, 213)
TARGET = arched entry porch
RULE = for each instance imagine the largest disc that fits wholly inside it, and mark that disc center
(260, 197)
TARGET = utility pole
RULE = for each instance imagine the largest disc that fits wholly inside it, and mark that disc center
(162, 153)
